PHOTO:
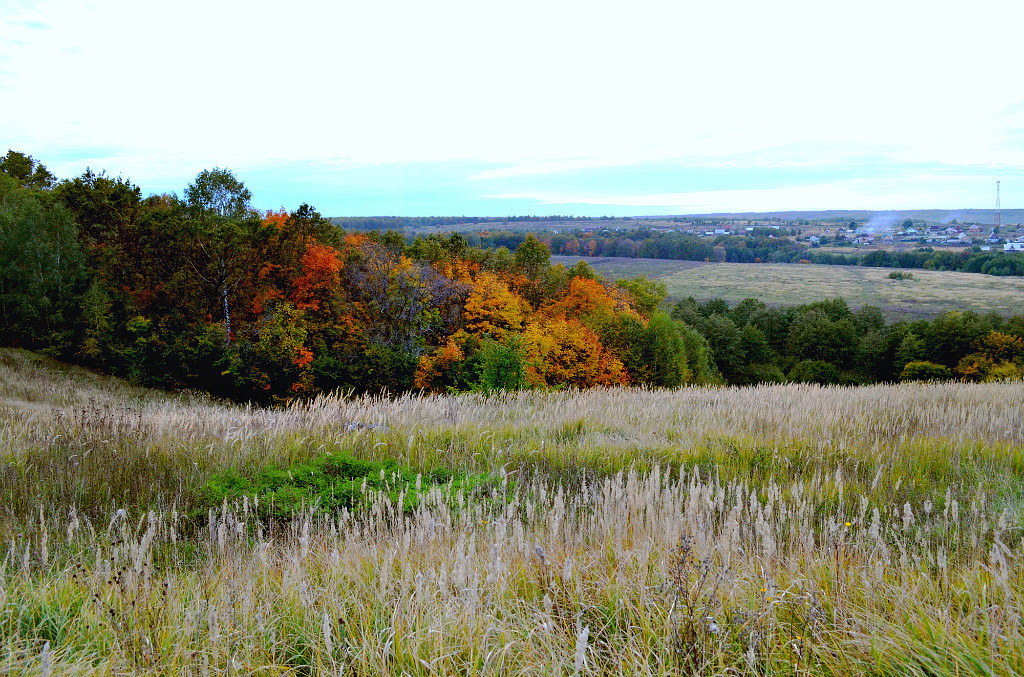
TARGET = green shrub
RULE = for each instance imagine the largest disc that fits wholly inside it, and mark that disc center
(925, 371)
(815, 371)
(502, 365)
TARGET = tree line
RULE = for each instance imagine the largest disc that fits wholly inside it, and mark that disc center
(418, 222)
(761, 245)
(829, 343)
(203, 291)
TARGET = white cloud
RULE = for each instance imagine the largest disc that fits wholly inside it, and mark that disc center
(542, 87)
(910, 192)
(542, 167)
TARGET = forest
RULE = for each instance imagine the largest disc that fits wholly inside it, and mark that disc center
(204, 292)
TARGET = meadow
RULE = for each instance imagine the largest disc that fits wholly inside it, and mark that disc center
(769, 530)
(927, 294)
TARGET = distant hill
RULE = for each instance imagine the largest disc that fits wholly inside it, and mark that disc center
(443, 223)
(982, 216)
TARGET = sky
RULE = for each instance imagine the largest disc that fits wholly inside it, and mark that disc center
(497, 107)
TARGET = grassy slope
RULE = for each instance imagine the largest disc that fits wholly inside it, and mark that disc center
(770, 530)
(929, 293)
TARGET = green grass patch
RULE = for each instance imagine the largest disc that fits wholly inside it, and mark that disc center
(334, 481)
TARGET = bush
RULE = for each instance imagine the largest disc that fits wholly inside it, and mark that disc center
(899, 275)
(502, 366)
(815, 371)
(1005, 371)
(925, 371)
(384, 369)
(761, 373)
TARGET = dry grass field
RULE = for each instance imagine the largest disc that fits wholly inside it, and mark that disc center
(772, 530)
(618, 267)
(929, 293)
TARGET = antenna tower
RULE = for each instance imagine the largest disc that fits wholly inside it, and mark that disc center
(999, 213)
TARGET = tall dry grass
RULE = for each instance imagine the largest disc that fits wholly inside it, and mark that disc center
(771, 530)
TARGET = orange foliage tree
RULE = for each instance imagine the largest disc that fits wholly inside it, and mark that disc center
(319, 279)
(277, 219)
(441, 368)
(587, 300)
(274, 274)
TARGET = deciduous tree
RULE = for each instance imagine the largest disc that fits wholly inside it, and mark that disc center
(492, 308)
(566, 353)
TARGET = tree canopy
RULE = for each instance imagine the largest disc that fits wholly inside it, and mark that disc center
(205, 292)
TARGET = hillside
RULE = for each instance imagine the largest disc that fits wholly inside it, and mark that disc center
(610, 531)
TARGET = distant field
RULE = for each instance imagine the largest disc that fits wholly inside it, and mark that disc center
(929, 293)
(618, 267)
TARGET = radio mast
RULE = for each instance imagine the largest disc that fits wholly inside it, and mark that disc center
(999, 213)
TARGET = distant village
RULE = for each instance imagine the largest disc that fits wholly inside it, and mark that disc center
(954, 235)
(819, 234)
(835, 233)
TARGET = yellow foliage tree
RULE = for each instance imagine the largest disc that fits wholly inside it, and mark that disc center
(1000, 357)
(492, 308)
(564, 352)
(1000, 347)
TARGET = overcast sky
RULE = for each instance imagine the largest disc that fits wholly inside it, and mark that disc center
(519, 107)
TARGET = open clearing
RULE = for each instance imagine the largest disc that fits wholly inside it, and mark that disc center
(618, 267)
(929, 293)
(771, 530)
